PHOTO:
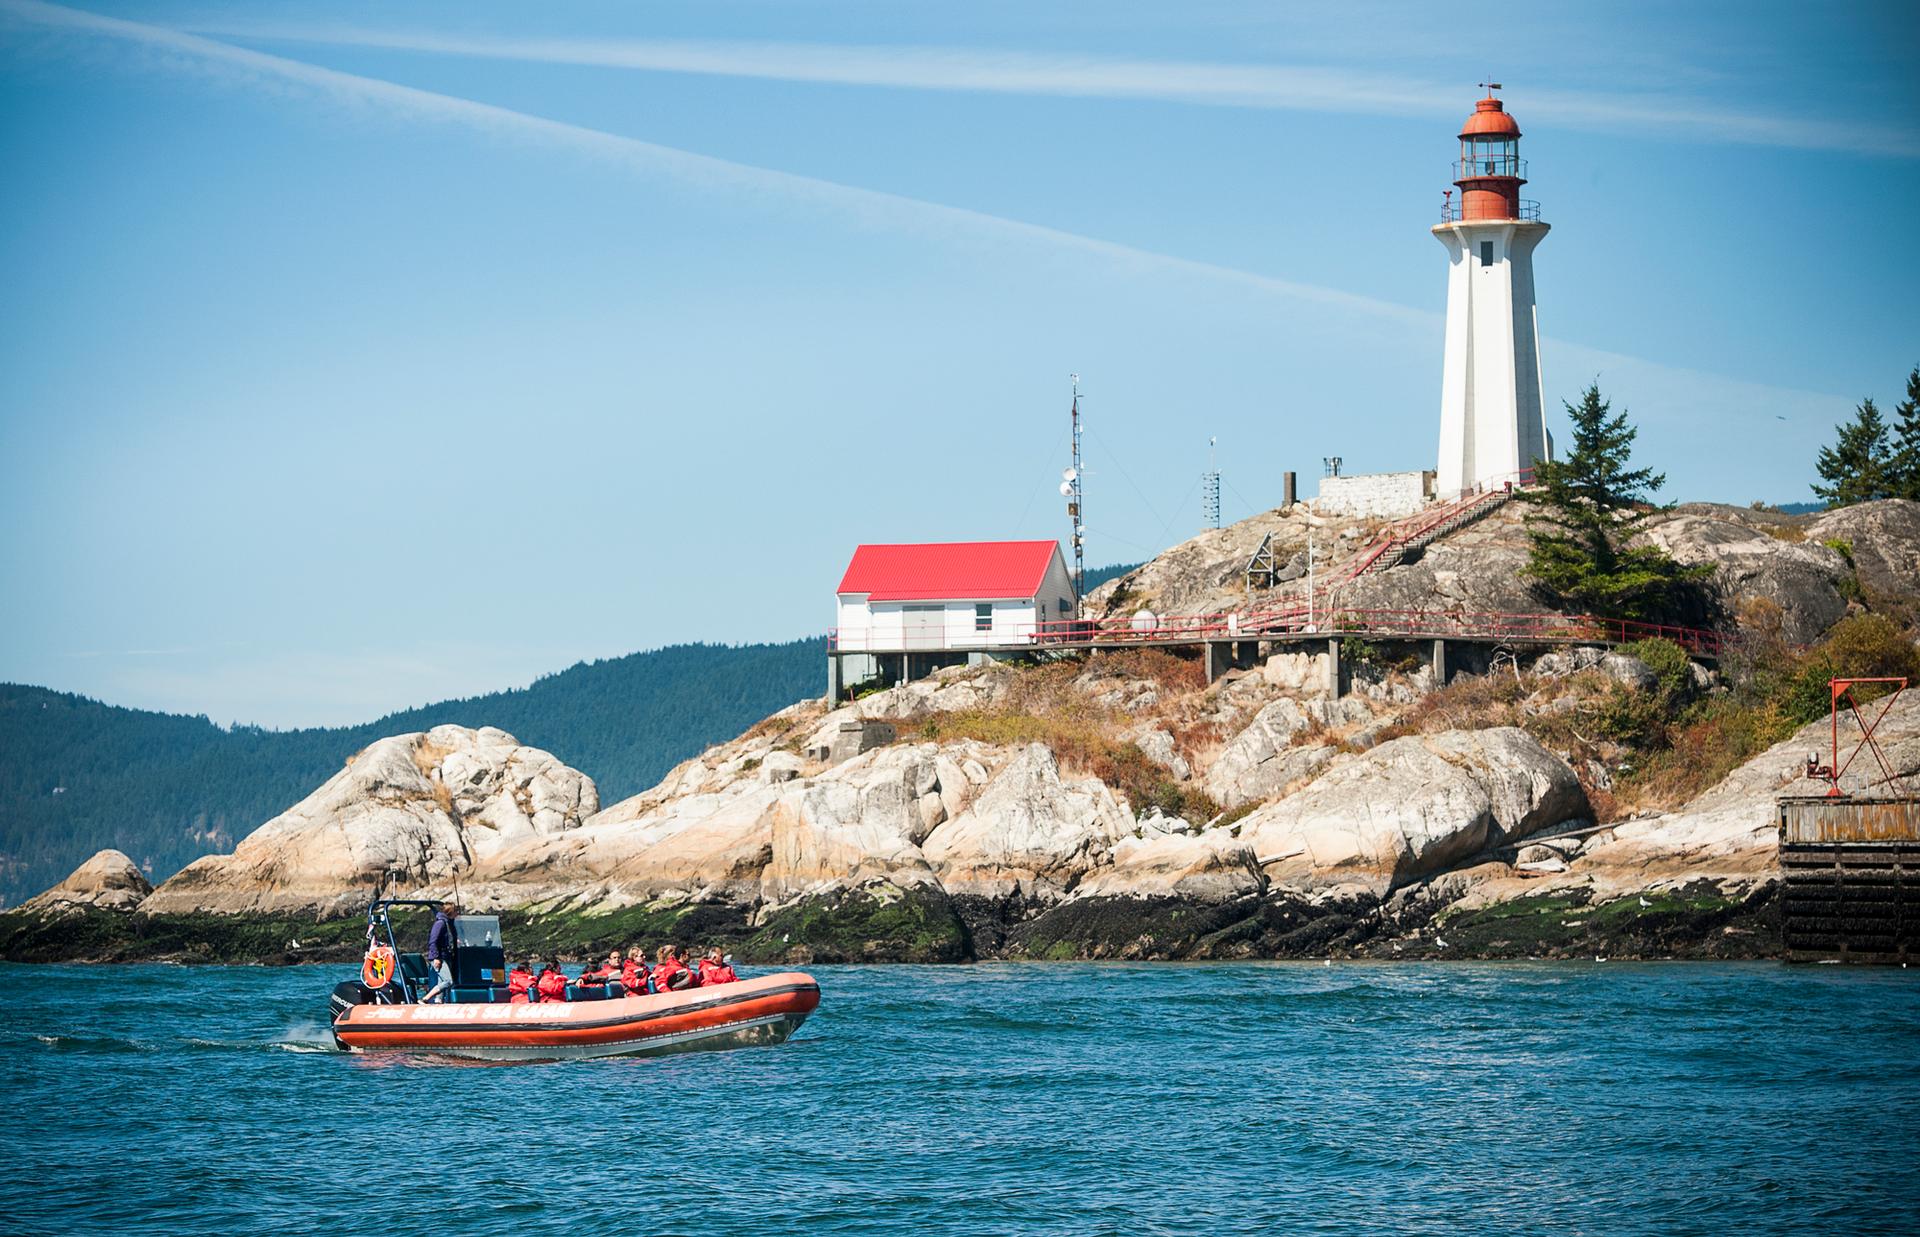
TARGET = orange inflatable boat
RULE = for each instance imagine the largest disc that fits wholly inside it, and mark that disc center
(383, 1011)
(752, 1011)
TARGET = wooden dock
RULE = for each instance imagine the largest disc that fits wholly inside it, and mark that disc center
(1851, 870)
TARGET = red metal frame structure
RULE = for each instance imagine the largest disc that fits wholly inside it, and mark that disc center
(1833, 772)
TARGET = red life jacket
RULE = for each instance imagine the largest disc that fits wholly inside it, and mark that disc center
(518, 981)
(712, 972)
(633, 977)
(552, 985)
(592, 977)
(664, 972)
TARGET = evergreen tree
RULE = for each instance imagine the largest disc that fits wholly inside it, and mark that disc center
(1590, 505)
(1856, 467)
(1903, 466)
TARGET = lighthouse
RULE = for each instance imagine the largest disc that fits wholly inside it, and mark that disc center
(1492, 420)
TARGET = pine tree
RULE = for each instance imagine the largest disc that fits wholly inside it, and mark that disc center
(1855, 468)
(1903, 464)
(1591, 504)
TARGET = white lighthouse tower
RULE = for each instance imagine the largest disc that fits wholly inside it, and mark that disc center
(1492, 423)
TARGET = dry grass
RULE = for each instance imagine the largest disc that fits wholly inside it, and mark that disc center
(1049, 705)
(427, 756)
(783, 725)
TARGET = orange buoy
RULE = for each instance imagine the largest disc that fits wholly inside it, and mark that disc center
(378, 968)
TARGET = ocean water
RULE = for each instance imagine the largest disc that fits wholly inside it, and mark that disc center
(1021, 1099)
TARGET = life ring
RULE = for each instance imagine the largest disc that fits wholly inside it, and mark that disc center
(378, 968)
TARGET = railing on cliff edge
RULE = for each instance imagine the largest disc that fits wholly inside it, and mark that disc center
(1297, 622)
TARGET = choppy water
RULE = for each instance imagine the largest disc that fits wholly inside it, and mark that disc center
(999, 1098)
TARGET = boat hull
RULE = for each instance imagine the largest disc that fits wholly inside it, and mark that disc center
(756, 1011)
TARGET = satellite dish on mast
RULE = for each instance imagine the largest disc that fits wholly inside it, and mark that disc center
(1069, 475)
(1066, 489)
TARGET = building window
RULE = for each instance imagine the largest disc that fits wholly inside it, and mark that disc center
(983, 617)
(1486, 253)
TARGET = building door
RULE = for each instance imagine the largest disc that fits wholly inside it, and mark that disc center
(925, 627)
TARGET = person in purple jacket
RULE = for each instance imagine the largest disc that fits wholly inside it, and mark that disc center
(440, 951)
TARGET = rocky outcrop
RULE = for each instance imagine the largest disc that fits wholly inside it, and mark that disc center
(1795, 562)
(1751, 559)
(414, 812)
(1031, 833)
(1207, 868)
(1623, 669)
(109, 881)
(1412, 806)
(1271, 754)
(1726, 838)
(1881, 540)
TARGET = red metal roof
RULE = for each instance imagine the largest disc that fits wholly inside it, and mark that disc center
(1490, 119)
(949, 571)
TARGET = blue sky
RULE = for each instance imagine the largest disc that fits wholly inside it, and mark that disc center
(358, 355)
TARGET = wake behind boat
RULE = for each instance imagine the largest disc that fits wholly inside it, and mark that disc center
(384, 1010)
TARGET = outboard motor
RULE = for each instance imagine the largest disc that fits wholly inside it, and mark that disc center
(352, 992)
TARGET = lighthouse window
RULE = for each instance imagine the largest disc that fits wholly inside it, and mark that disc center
(1486, 253)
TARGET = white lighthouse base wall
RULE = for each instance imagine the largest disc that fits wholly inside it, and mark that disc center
(1385, 495)
(1492, 423)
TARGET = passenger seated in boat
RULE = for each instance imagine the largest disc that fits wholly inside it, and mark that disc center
(552, 984)
(592, 981)
(670, 974)
(715, 969)
(520, 982)
(633, 972)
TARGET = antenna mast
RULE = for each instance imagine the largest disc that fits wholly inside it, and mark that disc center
(1210, 490)
(1075, 508)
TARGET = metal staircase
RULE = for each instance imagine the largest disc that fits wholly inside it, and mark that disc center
(1391, 546)
(1392, 549)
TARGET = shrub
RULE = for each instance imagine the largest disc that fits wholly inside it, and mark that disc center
(1354, 651)
(1635, 718)
(1669, 663)
(1859, 646)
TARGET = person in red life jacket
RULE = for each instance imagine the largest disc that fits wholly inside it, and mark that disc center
(670, 974)
(520, 983)
(715, 969)
(592, 981)
(612, 970)
(552, 984)
(633, 972)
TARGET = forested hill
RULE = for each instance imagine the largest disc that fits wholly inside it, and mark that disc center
(77, 775)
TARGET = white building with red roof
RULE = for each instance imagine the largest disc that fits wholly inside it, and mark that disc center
(960, 596)
(904, 611)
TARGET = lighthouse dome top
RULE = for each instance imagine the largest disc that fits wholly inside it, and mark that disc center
(1490, 119)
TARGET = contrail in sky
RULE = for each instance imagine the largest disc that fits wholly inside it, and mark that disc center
(1283, 87)
(869, 206)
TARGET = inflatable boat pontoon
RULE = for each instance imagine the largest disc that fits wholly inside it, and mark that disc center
(479, 1021)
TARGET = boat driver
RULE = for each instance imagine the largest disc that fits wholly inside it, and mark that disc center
(440, 951)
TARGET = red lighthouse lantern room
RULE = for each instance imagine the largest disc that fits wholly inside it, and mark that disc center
(1490, 170)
